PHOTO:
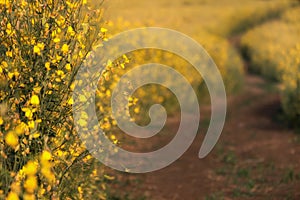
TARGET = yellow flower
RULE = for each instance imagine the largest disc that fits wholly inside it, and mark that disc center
(59, 153)
(136, 110)
(41, 45)
(70, 102)
(37, 50)
(12, 196)
(29, 197)
(30, 184)
(56, 40)
(46, 171)
(45, 157)
(12, 139)
(58, 57)
(68, 67)
(1, 120)
(81, 54)
(9, 54)
(106, 76)
(35, 100)
(80, 190)
(21, 128)
(60, 73)
(61, 20)
(32, 41)
(71, 31)
(31, 124)
(126, 60)
(113, 137)
(65, 48)
(46, 166)
(103, 30)
(47, 66)
(109, 64)
(28, 112)
(4, 64)
(30, 168)
(10, 75)
(36, 135)
(8, 29)
(37, 89)
(23, 3)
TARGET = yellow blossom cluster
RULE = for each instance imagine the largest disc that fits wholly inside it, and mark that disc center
(42, 45)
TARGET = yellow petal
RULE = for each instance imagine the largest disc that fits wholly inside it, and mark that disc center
(12, 196)
(1, 120)
(103, 30)
(11, 139)
(31, 124)
(21, 128)
(56, 40)
(36, 50)
(47, 65)
(35, 100)
(46, 156)
(30, 168)
(68, 67)
(70, 102)
(36, 135)
(30, 184)
(65, 48)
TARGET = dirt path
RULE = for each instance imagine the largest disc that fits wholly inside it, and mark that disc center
(255, 158)
(252, 147)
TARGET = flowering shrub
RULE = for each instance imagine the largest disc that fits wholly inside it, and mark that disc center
(264, 48)
(273, 50)
(291, 85)
(42, 46)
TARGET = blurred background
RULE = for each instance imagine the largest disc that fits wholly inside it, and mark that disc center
(256, 45)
